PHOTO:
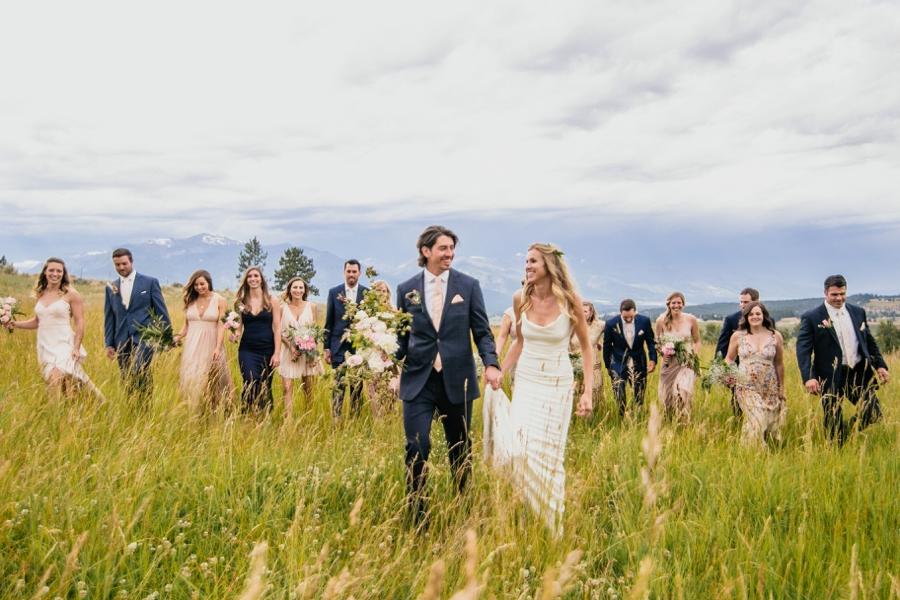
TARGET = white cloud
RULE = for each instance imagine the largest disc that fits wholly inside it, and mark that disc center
(167, 112)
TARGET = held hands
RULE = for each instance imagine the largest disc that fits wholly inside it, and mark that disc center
(493, 377)
(812, 386)
(651, 366)
(585, 405)
(883, 375)
(110, 352)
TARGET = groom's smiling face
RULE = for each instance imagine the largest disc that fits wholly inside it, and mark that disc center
(440, 255)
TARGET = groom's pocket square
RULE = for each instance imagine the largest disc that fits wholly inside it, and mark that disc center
(143, 291)
(456, 299)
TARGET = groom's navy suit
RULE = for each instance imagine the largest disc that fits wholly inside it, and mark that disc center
(121, 328)
(451, 391)
(819, 356)
(617, 354)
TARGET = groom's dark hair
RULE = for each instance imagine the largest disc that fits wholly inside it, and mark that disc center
(837, 281)
(430, 237)
(627, 304)
(753, 293)
(120, 252)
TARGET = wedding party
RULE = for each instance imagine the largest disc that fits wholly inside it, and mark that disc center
(583, 300)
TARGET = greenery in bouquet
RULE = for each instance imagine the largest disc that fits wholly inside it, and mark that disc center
(304, 341)
(157, 334)
(678, 348)
(722, 373)
(8, 312)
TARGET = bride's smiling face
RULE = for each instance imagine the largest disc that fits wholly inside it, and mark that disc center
(676, 305)
(535, 267)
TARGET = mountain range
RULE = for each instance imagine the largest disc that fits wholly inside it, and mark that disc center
(172, 260)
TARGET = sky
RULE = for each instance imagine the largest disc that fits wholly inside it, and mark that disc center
(344, 123)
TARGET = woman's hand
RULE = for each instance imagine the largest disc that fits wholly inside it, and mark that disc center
(217, 354)
(275, 361)
(585, 405)
(76, 355)
(177, 339)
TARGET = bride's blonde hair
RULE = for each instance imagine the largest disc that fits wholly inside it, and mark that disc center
(561, 283)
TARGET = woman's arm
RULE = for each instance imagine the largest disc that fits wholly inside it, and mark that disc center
(732, 351)
(695, 335)
(779, 362)
(220, 326)
(184, 329)
(31, 323)
(77, 305)
(276, 324)
(587, 353)
(512, 357)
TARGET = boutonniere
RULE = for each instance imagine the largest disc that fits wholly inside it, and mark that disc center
(641, 332)
(862, 326)
(414, 297)
(342, 299)
(826, 324)
(618, 329)
(112, 287)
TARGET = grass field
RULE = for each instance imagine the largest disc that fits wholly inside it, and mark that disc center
(107, 500)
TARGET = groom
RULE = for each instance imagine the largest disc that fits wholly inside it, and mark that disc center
(439, 371)
(838, 358)
(131, 302)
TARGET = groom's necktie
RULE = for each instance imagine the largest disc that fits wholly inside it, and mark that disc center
(437, 308)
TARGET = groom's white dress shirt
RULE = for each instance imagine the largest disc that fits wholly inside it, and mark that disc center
(126, 285)
(350, 292)
(843, 327)
(430, 280)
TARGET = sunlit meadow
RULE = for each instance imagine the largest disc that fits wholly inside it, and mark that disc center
(104, 500)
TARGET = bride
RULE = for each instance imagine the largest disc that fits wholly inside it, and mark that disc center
(528, 435)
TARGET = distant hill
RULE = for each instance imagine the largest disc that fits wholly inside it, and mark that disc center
(875, 305)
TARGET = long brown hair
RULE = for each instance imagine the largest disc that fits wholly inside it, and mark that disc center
(593, 316)
(286, 296)
(667, 317)
(768, 321)
(243, 291)
(191, 295)
(561, 284)
(41, 284)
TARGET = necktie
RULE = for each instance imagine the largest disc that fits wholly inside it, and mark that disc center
(437, 308)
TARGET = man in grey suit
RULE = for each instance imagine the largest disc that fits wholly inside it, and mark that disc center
(131, 302)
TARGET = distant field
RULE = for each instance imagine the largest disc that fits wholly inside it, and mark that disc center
(108, 501)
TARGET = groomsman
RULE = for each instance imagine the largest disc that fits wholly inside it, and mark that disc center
(838, 358)
(627, 340)
(729, 326)
(335, 346)
(130, 303)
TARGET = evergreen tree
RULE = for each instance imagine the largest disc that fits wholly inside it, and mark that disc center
(293, 263)
(251, 255)
(3, 262)
(888, 336)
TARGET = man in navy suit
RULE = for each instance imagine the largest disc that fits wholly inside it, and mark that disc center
(627, 340)
(131, 302)
(439, 369)
(729, 326)
(335, 346)
(838, 358)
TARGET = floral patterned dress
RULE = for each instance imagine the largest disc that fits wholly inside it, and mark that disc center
(759, 397)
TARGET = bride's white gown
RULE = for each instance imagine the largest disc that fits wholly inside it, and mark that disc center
(528, 435)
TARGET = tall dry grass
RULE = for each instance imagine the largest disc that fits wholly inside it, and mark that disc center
(110, 500)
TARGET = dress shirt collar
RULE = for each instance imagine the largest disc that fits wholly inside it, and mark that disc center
(130, 278)
(431, 277)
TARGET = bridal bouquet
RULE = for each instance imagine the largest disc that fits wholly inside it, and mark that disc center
(304, 341)
(232, 322)
(722, 373)
(374, 328)
(8, 312)
(157, 334)
(674, 346)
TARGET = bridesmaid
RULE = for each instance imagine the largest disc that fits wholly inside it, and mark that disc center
(676, 381)
(259, 352)
(760, 348)
(595, 336)
(59, 349)
(297, 312)
(204, 371)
